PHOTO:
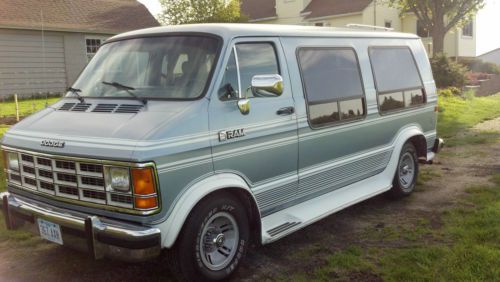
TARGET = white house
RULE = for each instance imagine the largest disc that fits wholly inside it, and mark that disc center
(459, 42)
(45, 44)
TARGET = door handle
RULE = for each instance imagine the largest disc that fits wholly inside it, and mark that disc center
(285, 111)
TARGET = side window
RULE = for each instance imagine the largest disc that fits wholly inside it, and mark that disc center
(396, 77)
(253, 59)
(333, 85)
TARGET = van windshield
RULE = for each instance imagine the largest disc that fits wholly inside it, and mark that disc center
(172, 67)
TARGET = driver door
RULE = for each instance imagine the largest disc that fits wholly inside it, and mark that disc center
(260, 146)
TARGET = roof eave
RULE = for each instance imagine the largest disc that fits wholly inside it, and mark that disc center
(263, 19)
(110, 32)
(333, 16)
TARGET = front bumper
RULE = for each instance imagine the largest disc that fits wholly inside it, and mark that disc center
(101, 237)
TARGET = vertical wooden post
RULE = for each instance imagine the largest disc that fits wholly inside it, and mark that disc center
(17, 107)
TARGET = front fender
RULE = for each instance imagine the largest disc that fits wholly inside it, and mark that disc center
(171, 228)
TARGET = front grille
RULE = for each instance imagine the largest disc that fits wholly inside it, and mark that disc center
(47, 186)
(90, 181)
(44, 162)
(121, 198)
(68, 190)
(45, 173)
(91, 168)
(65, 165)
(28, 169)
(30, 181)
(64, 178)
(27, 158)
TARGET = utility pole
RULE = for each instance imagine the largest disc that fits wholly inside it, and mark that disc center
(374, 12)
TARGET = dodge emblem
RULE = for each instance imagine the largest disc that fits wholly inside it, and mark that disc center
(53, 143)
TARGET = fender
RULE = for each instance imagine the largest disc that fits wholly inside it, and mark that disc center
(171, 228)
(402, 136)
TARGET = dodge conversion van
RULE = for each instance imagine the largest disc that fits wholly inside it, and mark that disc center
(196, 139)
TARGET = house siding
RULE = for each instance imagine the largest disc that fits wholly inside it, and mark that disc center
(25, 69)
(455, 44)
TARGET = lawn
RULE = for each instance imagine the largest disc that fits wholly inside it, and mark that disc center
(457, 113)
(469, 248)
(26, 107)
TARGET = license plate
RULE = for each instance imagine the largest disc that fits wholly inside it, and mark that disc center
(50, 231)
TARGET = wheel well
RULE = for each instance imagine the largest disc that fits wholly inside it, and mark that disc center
(420, 144)
(247, 200)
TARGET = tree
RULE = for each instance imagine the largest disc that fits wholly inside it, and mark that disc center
(199, 11)
(439, 16)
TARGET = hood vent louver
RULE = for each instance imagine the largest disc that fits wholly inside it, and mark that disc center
(80, 107)
(66, 106)
(104, 108)
(129, 109)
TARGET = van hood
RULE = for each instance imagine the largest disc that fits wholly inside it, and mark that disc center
(106, 133)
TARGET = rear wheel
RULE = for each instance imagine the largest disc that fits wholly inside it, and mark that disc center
(405, 179)
(213, 241)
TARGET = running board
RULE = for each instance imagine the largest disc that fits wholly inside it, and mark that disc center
(287, 221)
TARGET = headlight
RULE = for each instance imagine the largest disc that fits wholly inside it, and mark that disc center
(12, 161)
(117, 179)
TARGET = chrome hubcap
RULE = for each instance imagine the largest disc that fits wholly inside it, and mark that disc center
(406, 170)
(219, 240)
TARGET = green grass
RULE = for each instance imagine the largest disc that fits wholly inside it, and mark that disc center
(26, 107)
(458, 114)
(467, 248)
(427, 173)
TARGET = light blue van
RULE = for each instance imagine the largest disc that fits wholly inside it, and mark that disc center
(197, 139)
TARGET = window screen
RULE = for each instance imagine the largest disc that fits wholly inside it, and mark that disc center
(332, 82)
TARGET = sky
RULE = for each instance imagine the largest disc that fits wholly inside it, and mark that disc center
(488, 23)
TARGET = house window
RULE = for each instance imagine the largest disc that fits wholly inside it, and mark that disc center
(333, 85)
(396, 77)
(388, 24)
(468, 29)
(318, 24)
(93, 45)
(422, 30)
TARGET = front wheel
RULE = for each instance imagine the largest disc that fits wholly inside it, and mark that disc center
(405, 179)
(214, 240)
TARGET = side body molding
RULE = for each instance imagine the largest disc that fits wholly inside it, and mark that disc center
(171, 228)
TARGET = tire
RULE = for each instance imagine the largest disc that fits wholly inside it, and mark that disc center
(405, 178)
(213, 241)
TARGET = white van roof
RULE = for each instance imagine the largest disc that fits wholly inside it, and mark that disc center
(228, 31)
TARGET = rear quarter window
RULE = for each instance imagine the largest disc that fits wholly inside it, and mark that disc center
(397, 78)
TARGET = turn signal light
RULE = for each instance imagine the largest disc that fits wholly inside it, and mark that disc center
(143, 181)
(146, 203)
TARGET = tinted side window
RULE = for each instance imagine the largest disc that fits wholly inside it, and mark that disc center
(396, 77)
(333, 86)
(253, 59)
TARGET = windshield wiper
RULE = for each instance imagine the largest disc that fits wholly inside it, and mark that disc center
(76, 91)
(128, 89)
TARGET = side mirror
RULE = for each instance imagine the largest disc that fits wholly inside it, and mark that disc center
(244, 106)
(271, 83)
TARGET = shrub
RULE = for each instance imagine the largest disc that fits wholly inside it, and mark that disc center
(447, 72)
(477, 65)
(446, 92)
(449, 91)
